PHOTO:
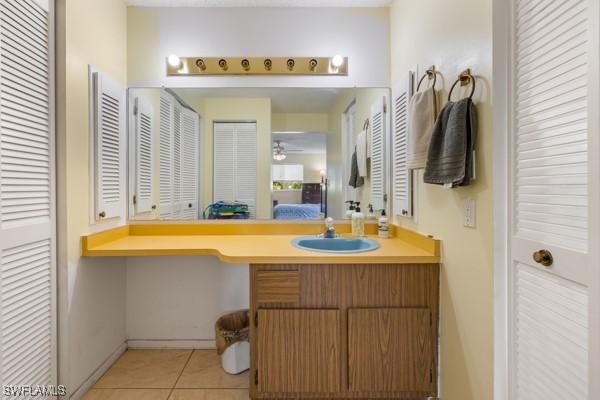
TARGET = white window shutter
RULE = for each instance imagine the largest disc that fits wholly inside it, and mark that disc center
(165, 156)
(27, 247)
(223, 162)
(245, 168)
(189, 164)
(401, 94)
(109, 139)
(378, 124)
(144, 127)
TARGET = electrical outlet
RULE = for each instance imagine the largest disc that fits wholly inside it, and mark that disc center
(469, 213)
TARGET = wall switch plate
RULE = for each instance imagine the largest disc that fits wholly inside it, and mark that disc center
(469, 213)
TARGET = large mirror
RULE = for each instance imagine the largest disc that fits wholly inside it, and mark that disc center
(257, 153)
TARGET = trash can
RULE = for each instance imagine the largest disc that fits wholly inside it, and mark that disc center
(231, 333)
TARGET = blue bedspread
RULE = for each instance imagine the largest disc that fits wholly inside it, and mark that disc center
(296, 211)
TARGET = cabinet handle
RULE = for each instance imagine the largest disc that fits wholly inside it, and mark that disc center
(102, 214)
(543, 257)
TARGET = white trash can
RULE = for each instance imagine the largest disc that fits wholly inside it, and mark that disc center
(236, 358)
(231, 334)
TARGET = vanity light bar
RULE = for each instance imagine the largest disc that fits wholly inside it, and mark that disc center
(186, 66)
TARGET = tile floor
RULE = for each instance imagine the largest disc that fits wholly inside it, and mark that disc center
(169, 375)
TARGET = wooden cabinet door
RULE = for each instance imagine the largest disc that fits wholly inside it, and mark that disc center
(391, 350)
(298, 351)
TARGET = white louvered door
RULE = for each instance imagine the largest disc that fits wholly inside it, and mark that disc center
(190, 139)
(548, 312)
(401, 175)
(144, 156)
(378, 159)
(234, 163)
(27, 246)
(109, 136)
(245, 165)
(165, 156)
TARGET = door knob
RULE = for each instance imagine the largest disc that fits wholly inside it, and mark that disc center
(543, 257)
(102, 214)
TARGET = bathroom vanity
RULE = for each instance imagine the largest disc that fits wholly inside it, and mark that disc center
(322, 325)
(344, 330)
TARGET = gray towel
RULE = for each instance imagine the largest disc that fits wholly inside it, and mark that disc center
(355, 179)
(450, 155)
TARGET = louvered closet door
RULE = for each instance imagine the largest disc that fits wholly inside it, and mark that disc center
(166, 156)
(401, 185)
(223, 161)
(245, 165)
(27, 266)
(550, 202)
(144, 122)
(189, 164)
(378, 125)
(176, 189)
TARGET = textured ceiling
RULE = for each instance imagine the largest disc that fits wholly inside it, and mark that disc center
(258, 3)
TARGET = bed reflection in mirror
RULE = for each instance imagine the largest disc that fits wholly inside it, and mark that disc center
(255, 153)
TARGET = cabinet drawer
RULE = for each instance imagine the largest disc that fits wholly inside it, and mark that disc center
(278, 287)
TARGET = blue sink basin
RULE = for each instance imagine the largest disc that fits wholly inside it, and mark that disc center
(336, 245)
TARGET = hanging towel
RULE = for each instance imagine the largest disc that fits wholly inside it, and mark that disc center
(450, 155)
(355, 179)
(361, 153)
(421, 118)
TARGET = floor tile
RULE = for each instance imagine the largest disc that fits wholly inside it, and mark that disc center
(204, 371)
(127, 394)
(148, 369)
(209, 394)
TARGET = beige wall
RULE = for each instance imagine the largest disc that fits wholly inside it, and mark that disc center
(301, 122)
(363, 99)
(91, 291)
(213, 109)
(362, 34)
(454, 35)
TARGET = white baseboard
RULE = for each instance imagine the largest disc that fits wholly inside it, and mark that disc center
(171, 344)
(97, 374)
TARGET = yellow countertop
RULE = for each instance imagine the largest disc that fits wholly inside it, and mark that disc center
(258, 243)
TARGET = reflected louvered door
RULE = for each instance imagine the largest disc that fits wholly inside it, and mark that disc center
(401, 175)
(189, 164)
(109, 135)
(144, 121)
(176, 190)
(378, 148)
(166, 156)
(27, 247)
(550, 203)
(223, 161)
(245, 165)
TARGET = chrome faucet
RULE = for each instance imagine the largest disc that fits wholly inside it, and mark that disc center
(329, 229)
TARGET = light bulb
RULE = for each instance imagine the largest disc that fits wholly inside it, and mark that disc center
(337, 61)
(174, 61)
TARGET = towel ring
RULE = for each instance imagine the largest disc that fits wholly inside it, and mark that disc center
(464, 78)
(428, 73)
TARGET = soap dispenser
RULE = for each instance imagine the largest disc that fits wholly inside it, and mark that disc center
(358, 221)
(371, 212)
(350, 209)
(383, 226)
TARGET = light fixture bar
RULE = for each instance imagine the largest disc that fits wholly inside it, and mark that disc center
(188, 66)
